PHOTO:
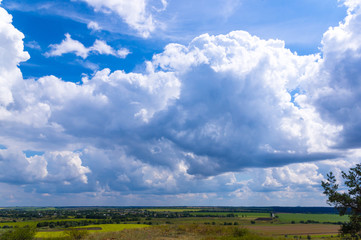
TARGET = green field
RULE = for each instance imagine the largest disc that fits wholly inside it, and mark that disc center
(104, 228)
(297, 217)
(249, 215)
(34, 223)
(19, 224)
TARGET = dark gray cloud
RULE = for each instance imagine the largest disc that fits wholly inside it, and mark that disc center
(337, 86)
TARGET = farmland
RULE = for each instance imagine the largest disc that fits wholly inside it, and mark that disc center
(296, 229)
(299, 218)
(101, 228)
(177, 222)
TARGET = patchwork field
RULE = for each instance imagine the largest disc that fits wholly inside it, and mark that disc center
(101, 228)
(174, 223)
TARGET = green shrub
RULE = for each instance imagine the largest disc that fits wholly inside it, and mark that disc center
(240, 232)
(76, 234)
(25, 233)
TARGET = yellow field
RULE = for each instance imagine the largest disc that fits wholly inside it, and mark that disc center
(104, 228)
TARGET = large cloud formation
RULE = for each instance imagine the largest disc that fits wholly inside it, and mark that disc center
(336, 90)
(193, 121)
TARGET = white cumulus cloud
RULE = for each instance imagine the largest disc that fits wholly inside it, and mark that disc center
(11, 54)
(335, 90)
(68, 45)
(200, 118)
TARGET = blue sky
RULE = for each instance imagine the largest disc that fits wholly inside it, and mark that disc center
(165, 102)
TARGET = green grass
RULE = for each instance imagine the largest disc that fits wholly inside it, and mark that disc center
(19, 224)
(297, 217)
(254, 214)
(35, 222)
(50, 235)
(245, 215)
(104, 228)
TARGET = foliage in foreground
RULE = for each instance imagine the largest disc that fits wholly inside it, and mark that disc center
(25, 233)
(76, 234)
(346, 201)
(188, 231)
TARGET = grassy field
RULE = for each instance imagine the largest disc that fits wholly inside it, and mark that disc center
(206, 232)
(19, 224)
(296, 229)
(103, 228)
(297, 217)
(184, 232)
(34, 223)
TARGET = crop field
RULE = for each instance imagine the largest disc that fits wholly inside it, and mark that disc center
(101, 228)
(34, 223)
(297, 217)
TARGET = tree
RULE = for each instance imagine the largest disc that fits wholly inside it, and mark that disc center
(348, 202)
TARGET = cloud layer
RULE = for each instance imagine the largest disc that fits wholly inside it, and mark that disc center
(200, 121)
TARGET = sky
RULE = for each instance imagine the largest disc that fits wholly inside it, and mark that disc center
(175, 103)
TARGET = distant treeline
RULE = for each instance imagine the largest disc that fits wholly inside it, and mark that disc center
(311, 210)
(67, 224)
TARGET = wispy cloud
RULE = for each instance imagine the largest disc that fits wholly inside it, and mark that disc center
(94, 26)
(33, 45)
(135, 13)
